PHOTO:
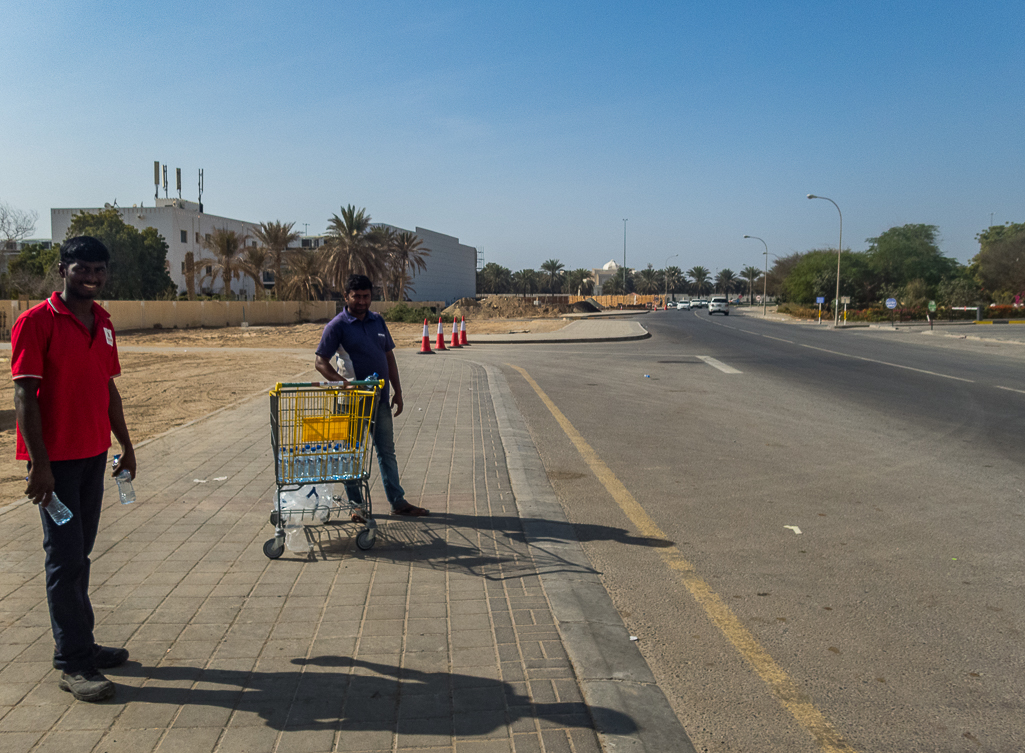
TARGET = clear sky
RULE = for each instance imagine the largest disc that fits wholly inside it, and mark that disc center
(532, 129)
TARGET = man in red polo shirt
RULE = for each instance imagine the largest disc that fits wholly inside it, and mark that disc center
(64, 360)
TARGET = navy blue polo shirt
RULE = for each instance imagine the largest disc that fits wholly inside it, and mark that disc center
(363, 344)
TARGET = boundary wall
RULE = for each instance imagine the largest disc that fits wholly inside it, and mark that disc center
(128, 315)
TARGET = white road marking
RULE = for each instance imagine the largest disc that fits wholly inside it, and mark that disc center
(1010, 389)
(719, 365)
(778, 339)
(795, 529)
(749, 332)
(887, 363)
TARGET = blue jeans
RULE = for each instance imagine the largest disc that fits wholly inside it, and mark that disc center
(384, 444)
(79, 485)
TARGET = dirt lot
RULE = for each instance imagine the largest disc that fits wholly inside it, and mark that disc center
(164, 390)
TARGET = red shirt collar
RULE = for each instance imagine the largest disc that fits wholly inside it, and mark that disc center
(58, 305)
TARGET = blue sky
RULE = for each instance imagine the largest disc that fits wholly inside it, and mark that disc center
(531, 130)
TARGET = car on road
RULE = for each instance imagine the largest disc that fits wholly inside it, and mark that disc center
(719, 304)
(698, 303)
(683, 305)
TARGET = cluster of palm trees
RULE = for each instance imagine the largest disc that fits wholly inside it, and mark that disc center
(354, 246)
(554, 278)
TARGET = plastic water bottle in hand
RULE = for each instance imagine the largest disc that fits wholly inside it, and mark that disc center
(58, 511)
(124, 483)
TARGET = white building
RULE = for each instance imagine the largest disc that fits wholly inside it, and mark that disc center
(451, 271)
(183, 227)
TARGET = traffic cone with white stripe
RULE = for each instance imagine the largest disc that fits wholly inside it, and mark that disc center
(455, 334)
(462, 333)
(440, 344)
(425, 345)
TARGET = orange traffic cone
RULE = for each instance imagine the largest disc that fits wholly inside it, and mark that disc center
(462, 333)
(455, 334)
(440, 345)
(425, 346)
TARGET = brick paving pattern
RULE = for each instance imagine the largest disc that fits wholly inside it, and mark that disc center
(439, 639)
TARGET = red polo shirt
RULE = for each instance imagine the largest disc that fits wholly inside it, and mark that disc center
(74, 368)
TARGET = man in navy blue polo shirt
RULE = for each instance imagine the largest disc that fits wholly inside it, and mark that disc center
(361, 339)
(64, 360)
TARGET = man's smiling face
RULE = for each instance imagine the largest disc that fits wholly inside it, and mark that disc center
(83, 279)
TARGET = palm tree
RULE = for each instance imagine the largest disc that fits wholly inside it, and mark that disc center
(351, 248)
(494, 278)
(553, 270)
(304, 279)
(648, 281)
(613, 286)
(752, 275)
(579, 282)
(726, 281)
(252, 263)
(699, 279)
(673, 279)
(525, 281)
(407, 257)
(226, 246)
(276, 237)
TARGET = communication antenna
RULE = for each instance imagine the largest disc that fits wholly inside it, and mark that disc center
(480, 258)
(165, 181)
(200, 190)
(178, 177)
(156, 179)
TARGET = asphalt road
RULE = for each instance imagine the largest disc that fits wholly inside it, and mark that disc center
(816, 535)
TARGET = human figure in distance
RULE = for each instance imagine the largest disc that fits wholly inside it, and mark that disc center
(361, 338)
(63, 361)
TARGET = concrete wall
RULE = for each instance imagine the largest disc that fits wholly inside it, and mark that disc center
(128, 315)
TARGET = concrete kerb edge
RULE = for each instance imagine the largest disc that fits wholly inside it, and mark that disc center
(613, 674)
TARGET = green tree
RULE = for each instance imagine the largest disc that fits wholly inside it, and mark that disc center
(579, 282)
(407, 255)
(276, 237)
(648, 282)
(726, 281)
(699, 277)
(673, 279)
(553, 275)
(752, 275)
(1001, 260)
(907, 253)
(303, 278)
(351, 248)
(33, 272)
(252, 262)
(138, 260)
(958, 291)
(494, 278)
(227, 248)
(813, 274)
(525, 281)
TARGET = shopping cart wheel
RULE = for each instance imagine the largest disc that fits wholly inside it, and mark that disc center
(365, 540)
(274, 548)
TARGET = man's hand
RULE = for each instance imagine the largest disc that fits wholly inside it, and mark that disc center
(40, 484)
(125, 463)
(396, 401)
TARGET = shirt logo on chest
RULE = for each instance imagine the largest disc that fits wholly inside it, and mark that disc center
(109, 334)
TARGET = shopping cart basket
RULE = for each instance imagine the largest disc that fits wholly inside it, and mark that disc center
(322, 433)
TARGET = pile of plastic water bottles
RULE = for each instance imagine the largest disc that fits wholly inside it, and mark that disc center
(330, 461)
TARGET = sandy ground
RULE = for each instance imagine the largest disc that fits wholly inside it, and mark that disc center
(164, 390)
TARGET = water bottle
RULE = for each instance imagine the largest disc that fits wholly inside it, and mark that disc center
(59, 512)
(124, 484)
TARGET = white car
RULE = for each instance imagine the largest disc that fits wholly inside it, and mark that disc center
(683, 306)
(719, 304)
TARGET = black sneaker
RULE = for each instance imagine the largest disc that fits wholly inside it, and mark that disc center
(86, 685)
(106, 657)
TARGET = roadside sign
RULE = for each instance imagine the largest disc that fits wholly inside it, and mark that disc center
(932, 307)
(891, 303)
(820, 299)
(845, 299)
(758, 298)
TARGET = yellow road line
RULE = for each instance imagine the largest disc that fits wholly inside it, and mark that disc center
(787, 692)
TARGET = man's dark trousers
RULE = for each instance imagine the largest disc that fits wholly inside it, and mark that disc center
(79, 485)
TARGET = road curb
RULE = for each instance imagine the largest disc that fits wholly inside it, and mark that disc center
(614, 677)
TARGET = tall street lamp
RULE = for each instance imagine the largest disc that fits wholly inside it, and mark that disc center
(836, 303)
(665, 276)
(624, 256)
(765, 275)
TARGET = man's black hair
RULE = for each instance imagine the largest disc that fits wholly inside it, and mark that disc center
(83, 248)
(358, 282)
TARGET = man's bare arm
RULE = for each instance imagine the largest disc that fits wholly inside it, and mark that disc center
(30, 423)
(327, 370)
(116, 414)
(393, 377)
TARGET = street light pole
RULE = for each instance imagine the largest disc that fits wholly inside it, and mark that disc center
(665, 276)
(765, 275)
(839, 250)
(624, 257)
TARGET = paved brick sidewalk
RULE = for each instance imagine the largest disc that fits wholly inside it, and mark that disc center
(440, 638)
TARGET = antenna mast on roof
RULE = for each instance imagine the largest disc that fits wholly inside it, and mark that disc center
(200, 190)
(165, 181)
(156, 179)
(178, 178)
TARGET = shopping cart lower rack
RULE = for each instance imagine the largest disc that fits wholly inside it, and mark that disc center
(322, 433)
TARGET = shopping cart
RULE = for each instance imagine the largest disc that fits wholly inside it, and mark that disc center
(322, 433)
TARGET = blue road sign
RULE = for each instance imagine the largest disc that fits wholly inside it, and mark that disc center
(891, 303)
